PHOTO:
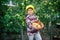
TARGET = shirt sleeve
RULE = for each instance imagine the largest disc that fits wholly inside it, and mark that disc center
(28, 22)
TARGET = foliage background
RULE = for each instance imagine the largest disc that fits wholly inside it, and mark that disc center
(13, 18)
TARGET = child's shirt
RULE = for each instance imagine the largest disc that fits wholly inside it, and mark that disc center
(29, 21)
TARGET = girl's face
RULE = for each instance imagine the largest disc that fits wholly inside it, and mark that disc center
(30, 11)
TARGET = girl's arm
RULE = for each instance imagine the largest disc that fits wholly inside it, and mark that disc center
(42, 25)
(28, 22)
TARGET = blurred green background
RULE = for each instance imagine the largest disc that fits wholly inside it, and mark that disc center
(12, 18)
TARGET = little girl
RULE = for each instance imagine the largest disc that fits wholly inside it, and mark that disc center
(31, 31)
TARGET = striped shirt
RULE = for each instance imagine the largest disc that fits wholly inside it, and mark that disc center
(29, 21)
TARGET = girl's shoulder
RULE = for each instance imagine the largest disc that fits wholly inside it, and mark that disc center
(27, 16)
(35, 15)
